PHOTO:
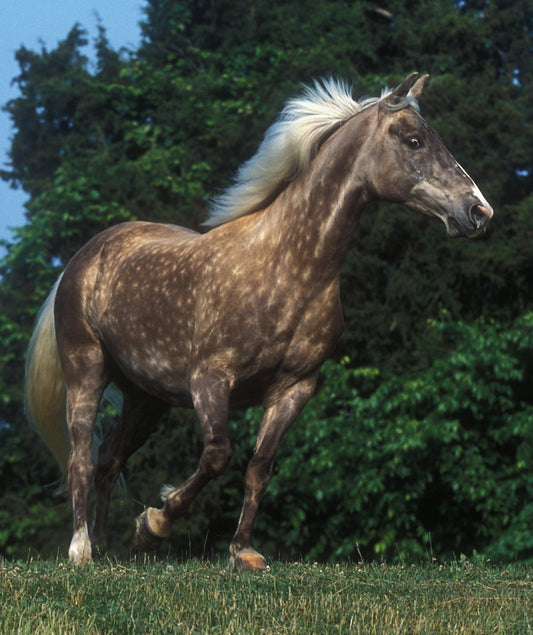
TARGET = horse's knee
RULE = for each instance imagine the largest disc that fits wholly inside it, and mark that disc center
(216, 457)
(259, 472)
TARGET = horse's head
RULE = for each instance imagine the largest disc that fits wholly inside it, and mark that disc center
(411, 166)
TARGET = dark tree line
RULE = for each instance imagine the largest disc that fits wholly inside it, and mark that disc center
(151, 134)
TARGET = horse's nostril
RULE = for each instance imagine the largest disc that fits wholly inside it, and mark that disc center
(479, 215)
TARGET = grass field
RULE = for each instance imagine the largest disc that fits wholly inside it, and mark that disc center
(151, 596)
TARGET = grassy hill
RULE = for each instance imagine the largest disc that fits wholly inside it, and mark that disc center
(150, 596)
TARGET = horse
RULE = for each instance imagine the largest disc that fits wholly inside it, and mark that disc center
(243, 313)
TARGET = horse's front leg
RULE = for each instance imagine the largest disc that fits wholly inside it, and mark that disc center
(211, 402)
(276, 421)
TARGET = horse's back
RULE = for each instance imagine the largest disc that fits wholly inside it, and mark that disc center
(124, 239)
(117, 246)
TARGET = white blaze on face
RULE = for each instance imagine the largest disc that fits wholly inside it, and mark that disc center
(476, 191)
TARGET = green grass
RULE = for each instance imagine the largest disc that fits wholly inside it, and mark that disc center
(149, 596)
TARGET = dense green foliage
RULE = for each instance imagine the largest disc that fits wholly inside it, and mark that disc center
(421, 437)
(431, 463)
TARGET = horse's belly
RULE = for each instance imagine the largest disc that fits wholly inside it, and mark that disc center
(157, 375)
(153, 359)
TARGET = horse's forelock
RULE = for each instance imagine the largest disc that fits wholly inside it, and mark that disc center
(399, 103)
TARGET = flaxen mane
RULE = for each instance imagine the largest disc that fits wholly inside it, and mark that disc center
(290, 144)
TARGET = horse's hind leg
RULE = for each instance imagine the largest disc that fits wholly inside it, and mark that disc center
(139, 417)
(85, 378)
(211, 402)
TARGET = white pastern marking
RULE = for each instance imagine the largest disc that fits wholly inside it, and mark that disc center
(80, 547)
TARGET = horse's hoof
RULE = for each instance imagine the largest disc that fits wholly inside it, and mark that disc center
(146, 537)
(79, 552)
(248, 560)
(80, 560)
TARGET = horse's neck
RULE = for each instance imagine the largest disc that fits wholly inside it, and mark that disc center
(317, 213)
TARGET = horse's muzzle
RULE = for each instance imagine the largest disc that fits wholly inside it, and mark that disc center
(480, 215)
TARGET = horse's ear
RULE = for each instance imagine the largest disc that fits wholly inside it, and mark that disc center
(418, 86)
(403, 88)
(401, 91)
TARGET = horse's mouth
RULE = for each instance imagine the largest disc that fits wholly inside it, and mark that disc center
(458, 229)
(477, 233)
(470, 225)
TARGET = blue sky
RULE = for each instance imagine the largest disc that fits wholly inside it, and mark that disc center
(30, 22)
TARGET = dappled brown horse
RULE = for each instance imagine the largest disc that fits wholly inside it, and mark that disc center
(245, 313)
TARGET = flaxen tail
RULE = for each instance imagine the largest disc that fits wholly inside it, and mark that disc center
(44, 389)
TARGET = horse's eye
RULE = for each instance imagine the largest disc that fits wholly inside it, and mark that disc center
(414, 143)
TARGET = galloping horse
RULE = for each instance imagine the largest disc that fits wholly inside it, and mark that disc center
(245, 313)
